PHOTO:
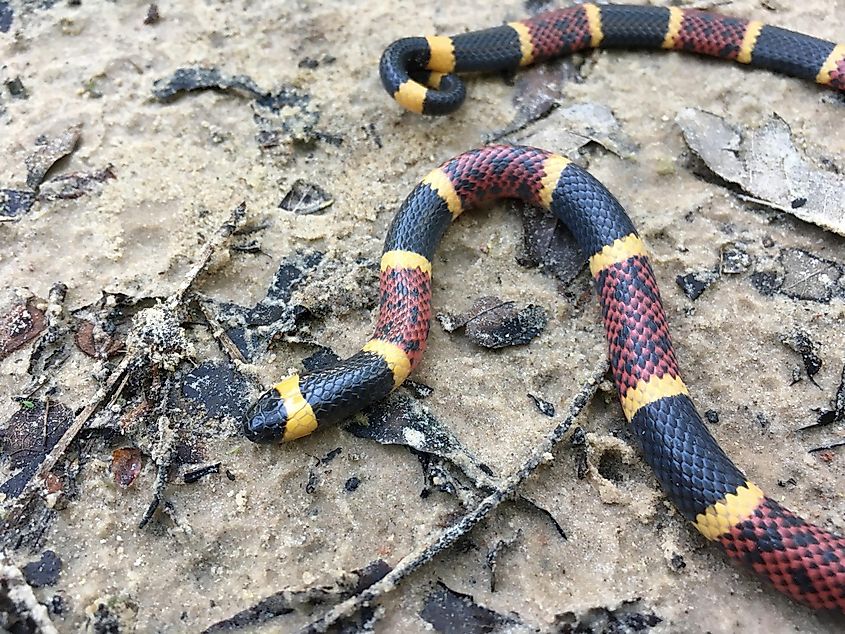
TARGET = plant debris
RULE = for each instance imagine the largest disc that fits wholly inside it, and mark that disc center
(695, 283)
(549, 245)
(252, 329)
(802, 275)
(194, 475)
(493, 556)
(20, 610)
(23, 323)
(734, 259)
(75, 185)
(800, 342)
(280, 116)
(767, 166)
(538, 90)
(195, 78)
(494, 323)
(218, 387)
(570, 129)
(451, 612)
(6, 15)
(49, 151)
(401, 420)
(546, 408)
(153, 16)
(288, 601)
(44, 572)
(29, 435)
(306, 198)
(449, 535)
(630, 617)
(93, 340)
(15, 202)
(125, 465)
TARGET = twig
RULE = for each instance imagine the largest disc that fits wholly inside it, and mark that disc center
(763, 202)
(448, 536)
(111, 389)
(219, 333)
(163, 457)
(222, 234)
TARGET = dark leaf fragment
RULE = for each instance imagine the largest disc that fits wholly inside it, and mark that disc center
(286, 601)
(734, 259)
(218, 387)
(628, 618)
(29, 435)
(44, 572)
(252, 329)
(306, 198)
(203, 78)
(493, 323)
(800, 342)
(48, 151)
(16, 202)
(153, 16)
(6, 15)
(189, 477)
(22, 324)
(546, 408)
(695, 283)
(94, 341)
(451, 612)
(16, 88)
(802, 275)
(548, 244)
(75, 185)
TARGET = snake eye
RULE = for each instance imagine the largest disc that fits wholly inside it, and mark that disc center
(265, 421)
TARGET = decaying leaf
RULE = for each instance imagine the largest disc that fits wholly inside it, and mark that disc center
(74, 185)
(802, 275)
(23, 323)
(218, 387)
(252, 329)
(493, 323)
(568, 129)
(126, 465)
(16, 202)
(28, 436)
(185, 80)
(631, 616)
(96, 342)
(548, 244)
(286, 601)
(43, 572)
(48, 151)
(451, 612)
(766, 165)
(306, 198)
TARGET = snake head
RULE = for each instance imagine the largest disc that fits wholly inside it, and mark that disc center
(266, 420)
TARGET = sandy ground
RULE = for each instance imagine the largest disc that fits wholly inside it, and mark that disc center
(182, 166)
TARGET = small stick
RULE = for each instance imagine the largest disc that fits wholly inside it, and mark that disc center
(448, 536)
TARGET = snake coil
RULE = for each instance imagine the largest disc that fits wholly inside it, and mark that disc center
(800, 559)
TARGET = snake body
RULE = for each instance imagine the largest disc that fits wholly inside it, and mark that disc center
(419, 71)
(800, 559)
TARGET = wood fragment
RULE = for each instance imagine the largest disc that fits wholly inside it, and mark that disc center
(446, 537)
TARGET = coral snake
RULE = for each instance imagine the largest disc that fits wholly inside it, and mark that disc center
(802, 560)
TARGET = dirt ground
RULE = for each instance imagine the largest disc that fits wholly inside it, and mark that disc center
(279, 518)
